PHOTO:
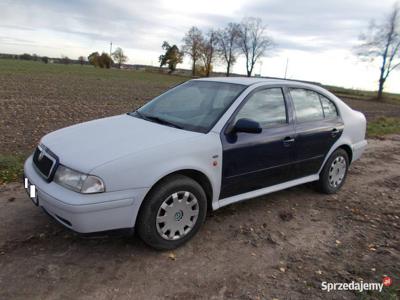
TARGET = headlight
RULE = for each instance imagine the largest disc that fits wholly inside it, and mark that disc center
(78, 182)
(92, 184)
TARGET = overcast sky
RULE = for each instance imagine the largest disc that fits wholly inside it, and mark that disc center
(315, 36)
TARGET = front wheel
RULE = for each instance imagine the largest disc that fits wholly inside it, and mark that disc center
(172, 213)
(334, 173)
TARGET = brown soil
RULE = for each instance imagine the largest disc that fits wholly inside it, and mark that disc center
(374, 109)
(34, 104)
(278, 246)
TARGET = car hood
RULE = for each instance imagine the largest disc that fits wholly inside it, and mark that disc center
(87, 145)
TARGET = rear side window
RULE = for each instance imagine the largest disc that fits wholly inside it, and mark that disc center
(328, 107)
(307, 105)
(266, 107)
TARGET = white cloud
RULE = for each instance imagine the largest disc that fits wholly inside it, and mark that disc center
(316, 36)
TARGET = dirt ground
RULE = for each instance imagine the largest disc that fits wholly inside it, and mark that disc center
(36, 99)
(278, 246)
(34, 102)
(374, 109)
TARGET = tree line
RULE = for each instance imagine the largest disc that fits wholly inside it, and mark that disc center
(104, 60)
(247, 38)
(250, 40)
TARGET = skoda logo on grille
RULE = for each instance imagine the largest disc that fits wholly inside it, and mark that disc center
(40, 157)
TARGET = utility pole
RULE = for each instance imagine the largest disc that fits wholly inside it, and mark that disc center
(287, 63)
(261, 65)
(110, 48)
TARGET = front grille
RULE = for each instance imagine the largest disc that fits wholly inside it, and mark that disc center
(45, 162)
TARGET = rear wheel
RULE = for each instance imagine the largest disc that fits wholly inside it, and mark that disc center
(334, 173)
(172, 213)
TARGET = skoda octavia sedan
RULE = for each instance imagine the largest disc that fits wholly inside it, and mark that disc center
(200, 146)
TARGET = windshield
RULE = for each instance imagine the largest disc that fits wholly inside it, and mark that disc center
(194, 105)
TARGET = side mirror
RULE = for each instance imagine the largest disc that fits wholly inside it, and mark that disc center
(247, 125)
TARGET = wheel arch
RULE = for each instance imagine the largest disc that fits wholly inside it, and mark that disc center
(341, 144)
(196, 175)
(348, 150)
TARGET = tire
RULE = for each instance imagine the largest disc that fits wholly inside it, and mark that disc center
(172, 204)
(333, 175)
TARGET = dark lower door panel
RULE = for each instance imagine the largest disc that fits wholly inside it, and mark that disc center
(313, 142)
(255, 161)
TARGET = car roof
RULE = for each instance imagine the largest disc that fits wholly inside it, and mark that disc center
(253, 80)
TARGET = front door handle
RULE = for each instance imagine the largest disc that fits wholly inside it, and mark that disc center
(334, 132)
(288, 141)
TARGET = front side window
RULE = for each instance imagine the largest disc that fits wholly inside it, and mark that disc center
(266, 107)
(307, 105)
(195, 105)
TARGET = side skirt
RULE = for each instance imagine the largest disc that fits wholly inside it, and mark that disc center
(264, 191)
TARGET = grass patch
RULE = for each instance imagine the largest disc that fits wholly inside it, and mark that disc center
(388, 293)
(11, 168)
(20, 67)
(383, 126)
(363, 95)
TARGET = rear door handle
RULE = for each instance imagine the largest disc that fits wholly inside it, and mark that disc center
(287, 141)
(334, 132)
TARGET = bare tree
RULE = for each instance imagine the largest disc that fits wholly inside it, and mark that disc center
(192, 46)
(383, 42)
(253, 42)
(65, 60)
(119, 57)
(81, 60)
(227, 41)
(208, 50)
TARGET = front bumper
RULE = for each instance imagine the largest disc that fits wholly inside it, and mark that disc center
(86, 213)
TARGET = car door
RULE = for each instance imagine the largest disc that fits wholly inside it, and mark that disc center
(253, 161)
(318, 126)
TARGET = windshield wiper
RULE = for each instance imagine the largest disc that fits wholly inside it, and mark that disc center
(160, 121)
(133, 113)
(154, 119)
(137, 113)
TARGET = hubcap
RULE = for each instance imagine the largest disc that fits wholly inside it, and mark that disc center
(177, 215)
(337, 171)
